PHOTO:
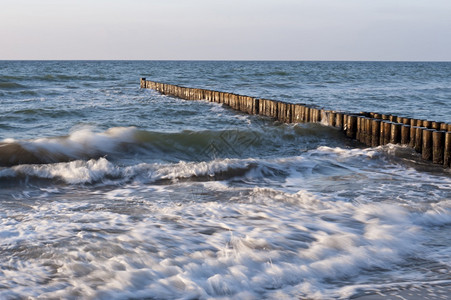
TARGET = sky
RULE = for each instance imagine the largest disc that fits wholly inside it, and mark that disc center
(387, 30)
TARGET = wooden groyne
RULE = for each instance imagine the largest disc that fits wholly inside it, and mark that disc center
(431, 139)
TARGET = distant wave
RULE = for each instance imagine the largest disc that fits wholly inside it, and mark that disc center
(80, 144)
(86, 144)
(322, 160)
(11, 85)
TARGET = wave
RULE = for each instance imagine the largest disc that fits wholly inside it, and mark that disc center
(64, 77)
(119, 142)
(247, 170)
(101, 170)
(289, 173)
(47, 112)
(82, 143)
(11, 85)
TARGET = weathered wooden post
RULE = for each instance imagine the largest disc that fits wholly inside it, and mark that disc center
(256, 106)
(447, 150)
(318, 115)
(419, 138)
(265, 107)
(331, 118)
(385, 132)
(359, 128)
(296, 113)
(405, 134)
(345, 121)
(306, 114)
(395, 133)
(368, 132)
(412, 136)
(375, 132)
(351, 126)
(312, 116)
(427, 124)
(438, 143)
(339, 120)
(426, 151)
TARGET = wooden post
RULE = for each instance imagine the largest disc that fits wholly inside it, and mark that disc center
(427, 124)
(426, 151)
(142, 82)
(296, 113)
(331, 118)
(368, 132)
(267, 106)
(274, 111)
(339, 120)
(237, 102)
(312, 116)
(306, 114)
(318, 115)
(387, 132)
(234, 102)
(375, 132)
(382, 132)
(419, 138)
(301, 109)
(395, 133)
(345, 121)
(412, 136)
(359, 128)
(405, 134)
(351, 126)
(438, 142)
(280, 111)
(447, 150)
(256, 106)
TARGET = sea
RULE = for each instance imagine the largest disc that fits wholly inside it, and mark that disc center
(109, 191)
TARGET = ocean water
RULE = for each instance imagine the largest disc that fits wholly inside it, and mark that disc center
(108, 191)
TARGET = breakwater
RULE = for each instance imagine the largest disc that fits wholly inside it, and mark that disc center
(429, 138)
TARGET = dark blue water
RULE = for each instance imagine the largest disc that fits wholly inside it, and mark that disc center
(108, 191)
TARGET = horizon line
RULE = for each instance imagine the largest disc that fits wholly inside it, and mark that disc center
(236, 60)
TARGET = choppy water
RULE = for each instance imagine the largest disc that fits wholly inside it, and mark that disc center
(112, 192)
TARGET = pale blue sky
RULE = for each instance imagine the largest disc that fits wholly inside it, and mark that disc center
(232, 29)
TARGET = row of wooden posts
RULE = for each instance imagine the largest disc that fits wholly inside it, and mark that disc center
(431, 139)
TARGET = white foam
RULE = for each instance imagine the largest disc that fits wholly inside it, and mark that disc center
(82, 141)
(252, 248)
(74, 172)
